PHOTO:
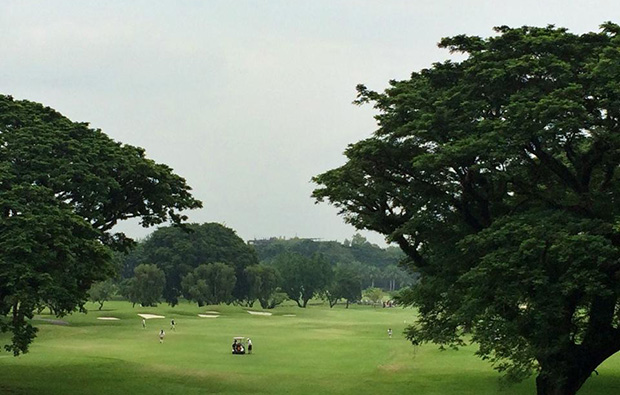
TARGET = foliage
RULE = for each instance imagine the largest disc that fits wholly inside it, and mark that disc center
(498, 177)
(211, 283)
(397, 277)
(334, 252)
(63, 187)
(100, 292)
(375, 295)
(276, 299)
(179, 250)
(49, 256)
(146, 286)
(263, 283)
(368, 259)
(347, 284)
(303, 277)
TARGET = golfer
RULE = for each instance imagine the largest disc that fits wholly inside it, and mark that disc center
(249, 346)
(161, 336)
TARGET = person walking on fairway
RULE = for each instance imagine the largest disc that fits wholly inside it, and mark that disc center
(249, 346)
(172, 324)
(161, 336)
(390, 333)
(143, 323)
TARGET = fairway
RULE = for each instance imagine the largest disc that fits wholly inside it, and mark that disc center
(316, 350)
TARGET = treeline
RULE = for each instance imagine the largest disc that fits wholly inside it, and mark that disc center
(210, 264)
(377, 267)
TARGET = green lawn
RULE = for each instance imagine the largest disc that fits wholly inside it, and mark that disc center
(317, 351)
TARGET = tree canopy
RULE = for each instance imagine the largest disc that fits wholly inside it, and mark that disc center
(346, 284)
(147, 285)
(178, 251)
(301, 277)
(374, 264)
(100, 292)
(63, 187)
(263, 283)
(498, 177)
(211, 283)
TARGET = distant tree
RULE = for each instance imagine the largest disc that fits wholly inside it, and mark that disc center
(211, 283)
(375, 295)
(303, 277)
(369, 258)
(263, 282)
(371, 274)
(331, 294)
(63, 188)
(100, 292)
(130, 259)
(147, 285)
(347, 284)
(178, 251)
(275, 299)
(128, 291)
(396, 277)
(358, 240)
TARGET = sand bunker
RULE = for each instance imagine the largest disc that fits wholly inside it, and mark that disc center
(149, 316)
(207, 316)
(288, 315)
(258, 312)
(108, 318)
(212, 312)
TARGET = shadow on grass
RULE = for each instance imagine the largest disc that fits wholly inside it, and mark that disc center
(105, 376)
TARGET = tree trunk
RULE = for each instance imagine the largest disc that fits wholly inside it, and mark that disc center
(566, 384)
(564, 373)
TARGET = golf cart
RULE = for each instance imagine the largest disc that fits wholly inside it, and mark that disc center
(240, 344)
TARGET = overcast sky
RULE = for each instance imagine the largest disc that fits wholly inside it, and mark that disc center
(247, 100)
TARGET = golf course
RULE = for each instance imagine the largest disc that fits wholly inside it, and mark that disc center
(316, 350)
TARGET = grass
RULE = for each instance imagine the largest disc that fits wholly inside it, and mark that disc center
(318, 351)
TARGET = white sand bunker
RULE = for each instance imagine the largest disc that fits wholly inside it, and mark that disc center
(289, 315)
(108, 318)
(259, 312)
(212, 312)
(208, 315)
(149, 316)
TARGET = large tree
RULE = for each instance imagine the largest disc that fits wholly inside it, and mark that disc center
(263, 283)
(346, 284)
(146, 286)
(63, 187)
(211, 283)
(498, 177)
(301, 277)
(178, 251)
(102, 291)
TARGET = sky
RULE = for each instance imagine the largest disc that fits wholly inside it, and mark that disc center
(247, 100)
